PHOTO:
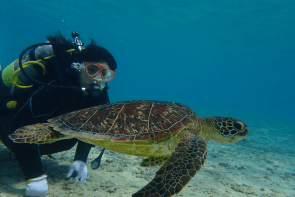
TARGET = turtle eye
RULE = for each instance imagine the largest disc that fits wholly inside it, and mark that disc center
(238, 125)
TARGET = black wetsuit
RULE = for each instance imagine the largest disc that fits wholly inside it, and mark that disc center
(36, 105)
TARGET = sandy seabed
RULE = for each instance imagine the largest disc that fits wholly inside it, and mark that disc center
(260, 165)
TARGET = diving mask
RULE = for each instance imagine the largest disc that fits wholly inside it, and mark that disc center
(93, 76)
(95, 71)
(99, 71)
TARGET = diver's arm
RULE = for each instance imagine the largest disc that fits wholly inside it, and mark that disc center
(83, 148)
(79, 164)
(82, 151)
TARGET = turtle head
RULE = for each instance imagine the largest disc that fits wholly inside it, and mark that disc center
(223, 129)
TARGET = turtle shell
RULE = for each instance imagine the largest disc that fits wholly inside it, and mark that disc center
(126, 121)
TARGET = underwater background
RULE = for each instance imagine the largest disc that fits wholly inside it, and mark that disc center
(227, 58)
(219, 57)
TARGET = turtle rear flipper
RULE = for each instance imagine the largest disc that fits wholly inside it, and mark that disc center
(179, 169)
(38, 133)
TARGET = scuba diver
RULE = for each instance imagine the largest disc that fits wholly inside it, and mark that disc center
(48, 80)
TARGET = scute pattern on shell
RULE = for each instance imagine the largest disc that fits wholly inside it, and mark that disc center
(125, 121)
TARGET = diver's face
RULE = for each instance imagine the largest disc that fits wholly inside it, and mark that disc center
(87, 82)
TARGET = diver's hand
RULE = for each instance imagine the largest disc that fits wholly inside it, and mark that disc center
(37, 186)
(81, 169)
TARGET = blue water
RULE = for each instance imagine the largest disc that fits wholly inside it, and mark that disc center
(231, 58)
(227, 58)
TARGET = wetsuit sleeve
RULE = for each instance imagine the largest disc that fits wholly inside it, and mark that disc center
(83, 148)
(82, 151)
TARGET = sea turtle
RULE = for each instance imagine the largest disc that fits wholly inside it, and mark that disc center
(169, 134)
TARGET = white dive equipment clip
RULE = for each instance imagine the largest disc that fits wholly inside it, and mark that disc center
(77, 40)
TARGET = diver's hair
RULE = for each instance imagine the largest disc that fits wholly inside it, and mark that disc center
(92, 52)
(60, 49)
(59, 38)
(95, 53)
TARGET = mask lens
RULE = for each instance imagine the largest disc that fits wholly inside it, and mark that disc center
(95, 69)
(107, 75)
(92, 69)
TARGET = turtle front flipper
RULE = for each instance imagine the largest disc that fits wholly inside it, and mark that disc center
(153, 161)
(39, 133)
(179, 169)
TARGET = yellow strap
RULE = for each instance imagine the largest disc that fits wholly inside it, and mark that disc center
(14, 77)
(36, 177)
(11, 104)
(70, 50)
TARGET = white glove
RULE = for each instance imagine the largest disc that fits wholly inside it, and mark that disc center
(81, 169)
(37, 187)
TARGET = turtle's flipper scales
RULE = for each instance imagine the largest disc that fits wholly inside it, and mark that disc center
(37, 133)
(153, 161)
(179, 169)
